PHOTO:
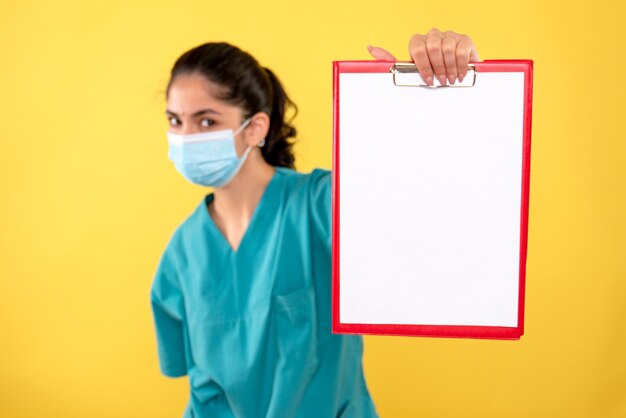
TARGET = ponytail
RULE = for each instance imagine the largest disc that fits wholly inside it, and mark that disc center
(277, 150)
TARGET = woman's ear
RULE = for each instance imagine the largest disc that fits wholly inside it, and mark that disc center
(258, 128)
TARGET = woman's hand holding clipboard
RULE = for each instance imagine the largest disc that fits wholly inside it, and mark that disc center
(444, 54)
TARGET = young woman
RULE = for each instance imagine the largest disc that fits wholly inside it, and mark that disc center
(241, 297)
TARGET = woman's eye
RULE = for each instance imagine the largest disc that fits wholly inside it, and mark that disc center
(174, 121)
(206, 123)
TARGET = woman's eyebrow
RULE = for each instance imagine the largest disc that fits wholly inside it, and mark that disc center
(198, 113)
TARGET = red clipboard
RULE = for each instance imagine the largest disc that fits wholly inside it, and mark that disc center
(444, 253)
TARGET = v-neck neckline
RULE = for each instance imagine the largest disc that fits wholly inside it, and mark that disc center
(258, 211)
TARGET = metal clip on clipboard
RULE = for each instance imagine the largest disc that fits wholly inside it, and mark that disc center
(408, 71)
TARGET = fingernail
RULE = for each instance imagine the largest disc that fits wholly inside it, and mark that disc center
(461, 77)
(442, 80)
(429, 80)
(451, 79)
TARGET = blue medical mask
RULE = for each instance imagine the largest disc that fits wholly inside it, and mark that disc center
(207, 158)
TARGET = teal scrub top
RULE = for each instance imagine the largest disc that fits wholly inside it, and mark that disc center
(252, 328)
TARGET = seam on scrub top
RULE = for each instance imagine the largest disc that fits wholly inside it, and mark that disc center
(250, 312)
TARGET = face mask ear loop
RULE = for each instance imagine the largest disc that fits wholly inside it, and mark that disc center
(249, 148)
(243, 125)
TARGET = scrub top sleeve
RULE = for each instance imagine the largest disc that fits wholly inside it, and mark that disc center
(321, 202)
(169, 320)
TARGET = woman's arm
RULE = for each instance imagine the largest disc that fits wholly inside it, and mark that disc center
(444, 54)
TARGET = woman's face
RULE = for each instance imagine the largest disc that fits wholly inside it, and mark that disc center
(193, 108)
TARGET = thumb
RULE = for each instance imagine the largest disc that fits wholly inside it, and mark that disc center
(380, 53)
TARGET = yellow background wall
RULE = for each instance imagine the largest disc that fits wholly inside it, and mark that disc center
(89, 198)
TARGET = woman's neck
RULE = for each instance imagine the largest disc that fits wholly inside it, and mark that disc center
(235, 203)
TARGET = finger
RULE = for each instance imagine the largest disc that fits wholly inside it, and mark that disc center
(465, 52)
(474, 55)
(433, 47)
(380, 53)
(448, 48)
(419, 55)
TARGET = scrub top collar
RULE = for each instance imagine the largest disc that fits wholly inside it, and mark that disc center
(263, 210)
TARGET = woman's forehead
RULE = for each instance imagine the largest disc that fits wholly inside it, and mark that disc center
(189, 93)
(192, 87)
